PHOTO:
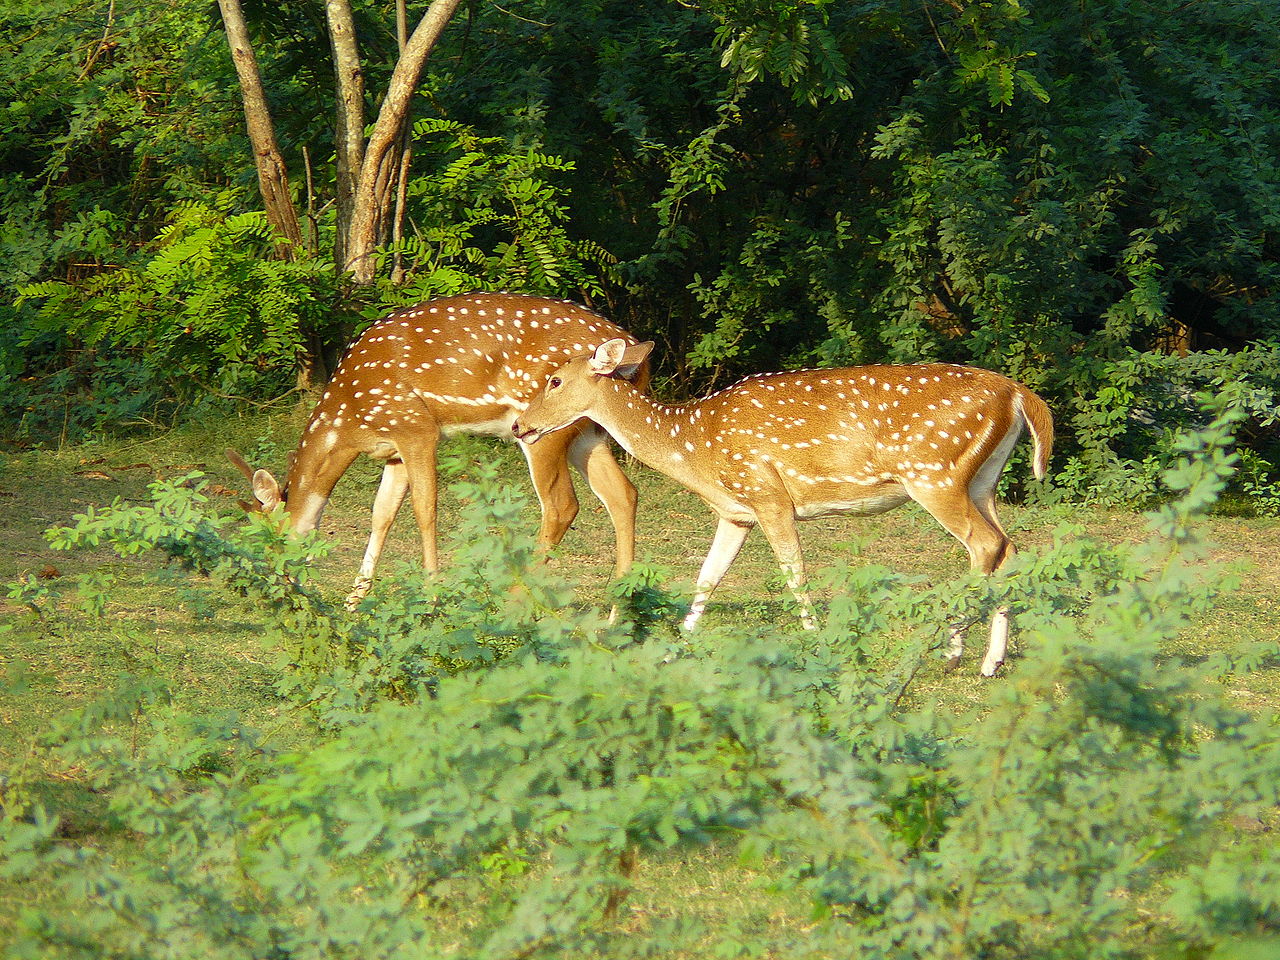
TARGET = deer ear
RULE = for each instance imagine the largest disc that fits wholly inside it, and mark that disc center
(266, 490)
(632, 360)
(617, 358)
(605, 360)
(239, 463)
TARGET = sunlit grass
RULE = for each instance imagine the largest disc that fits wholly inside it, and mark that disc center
(212, 659)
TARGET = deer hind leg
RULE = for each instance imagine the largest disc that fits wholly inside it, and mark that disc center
(549, 469)
(419, 465)
(999, 640)
(591, 455)
(391, 493)
(724, 549)
(779, 526)
(974, 524)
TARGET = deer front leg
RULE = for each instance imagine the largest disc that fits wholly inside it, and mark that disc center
(391, 493)
(420, 465)
(590, 454)
(549, 470)
(724, 548)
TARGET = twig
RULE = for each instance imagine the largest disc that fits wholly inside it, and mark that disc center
(102, 44)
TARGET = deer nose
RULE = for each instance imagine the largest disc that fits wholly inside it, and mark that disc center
(526, 434)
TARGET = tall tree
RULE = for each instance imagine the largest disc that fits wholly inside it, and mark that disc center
(369, 173)
(273, 174)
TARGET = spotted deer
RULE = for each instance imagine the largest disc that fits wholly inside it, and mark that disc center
(780, 447)
(464, 364)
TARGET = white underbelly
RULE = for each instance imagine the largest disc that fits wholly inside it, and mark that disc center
(495, 427)
(858, 506)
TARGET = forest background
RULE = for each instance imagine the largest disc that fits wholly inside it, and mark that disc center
(1084, 196)
(203, 754)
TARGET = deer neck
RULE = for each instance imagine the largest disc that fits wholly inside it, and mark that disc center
(670, 439)
(318, 463)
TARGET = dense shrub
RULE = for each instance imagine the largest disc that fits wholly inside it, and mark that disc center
(202, 313)
(488, 743)
(1126, 418)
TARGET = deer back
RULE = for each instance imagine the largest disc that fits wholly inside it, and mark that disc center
(468, 363)
(925, 425)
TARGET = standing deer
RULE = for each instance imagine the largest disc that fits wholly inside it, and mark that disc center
(464, 364)
(780, 447)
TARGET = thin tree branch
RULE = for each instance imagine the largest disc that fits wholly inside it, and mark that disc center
(406, 158)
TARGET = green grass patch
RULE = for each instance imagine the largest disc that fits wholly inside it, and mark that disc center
(484, 766)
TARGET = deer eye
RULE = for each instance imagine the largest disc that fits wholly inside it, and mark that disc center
(553, 383)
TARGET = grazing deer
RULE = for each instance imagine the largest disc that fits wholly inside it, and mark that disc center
(464, 364)
(780, 447)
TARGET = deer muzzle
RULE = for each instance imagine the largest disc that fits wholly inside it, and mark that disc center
(525, 433)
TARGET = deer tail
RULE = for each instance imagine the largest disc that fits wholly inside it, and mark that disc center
(1039, 420)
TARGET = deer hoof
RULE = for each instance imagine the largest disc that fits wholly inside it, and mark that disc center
(990, 670)
(358, 592)
(951, 664)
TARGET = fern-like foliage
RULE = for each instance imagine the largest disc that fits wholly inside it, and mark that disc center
(488, 214)
(206, 303)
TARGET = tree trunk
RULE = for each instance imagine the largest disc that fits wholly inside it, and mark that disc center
(273, 177)
(349, 126)
(406, 158)
(380, 170)
(368, 176)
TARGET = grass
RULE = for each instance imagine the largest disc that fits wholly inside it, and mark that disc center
(219, 660)
(213, 660)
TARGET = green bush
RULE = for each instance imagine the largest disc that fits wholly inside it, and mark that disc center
(528, 756)
(207, 306)
(1127, 415)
